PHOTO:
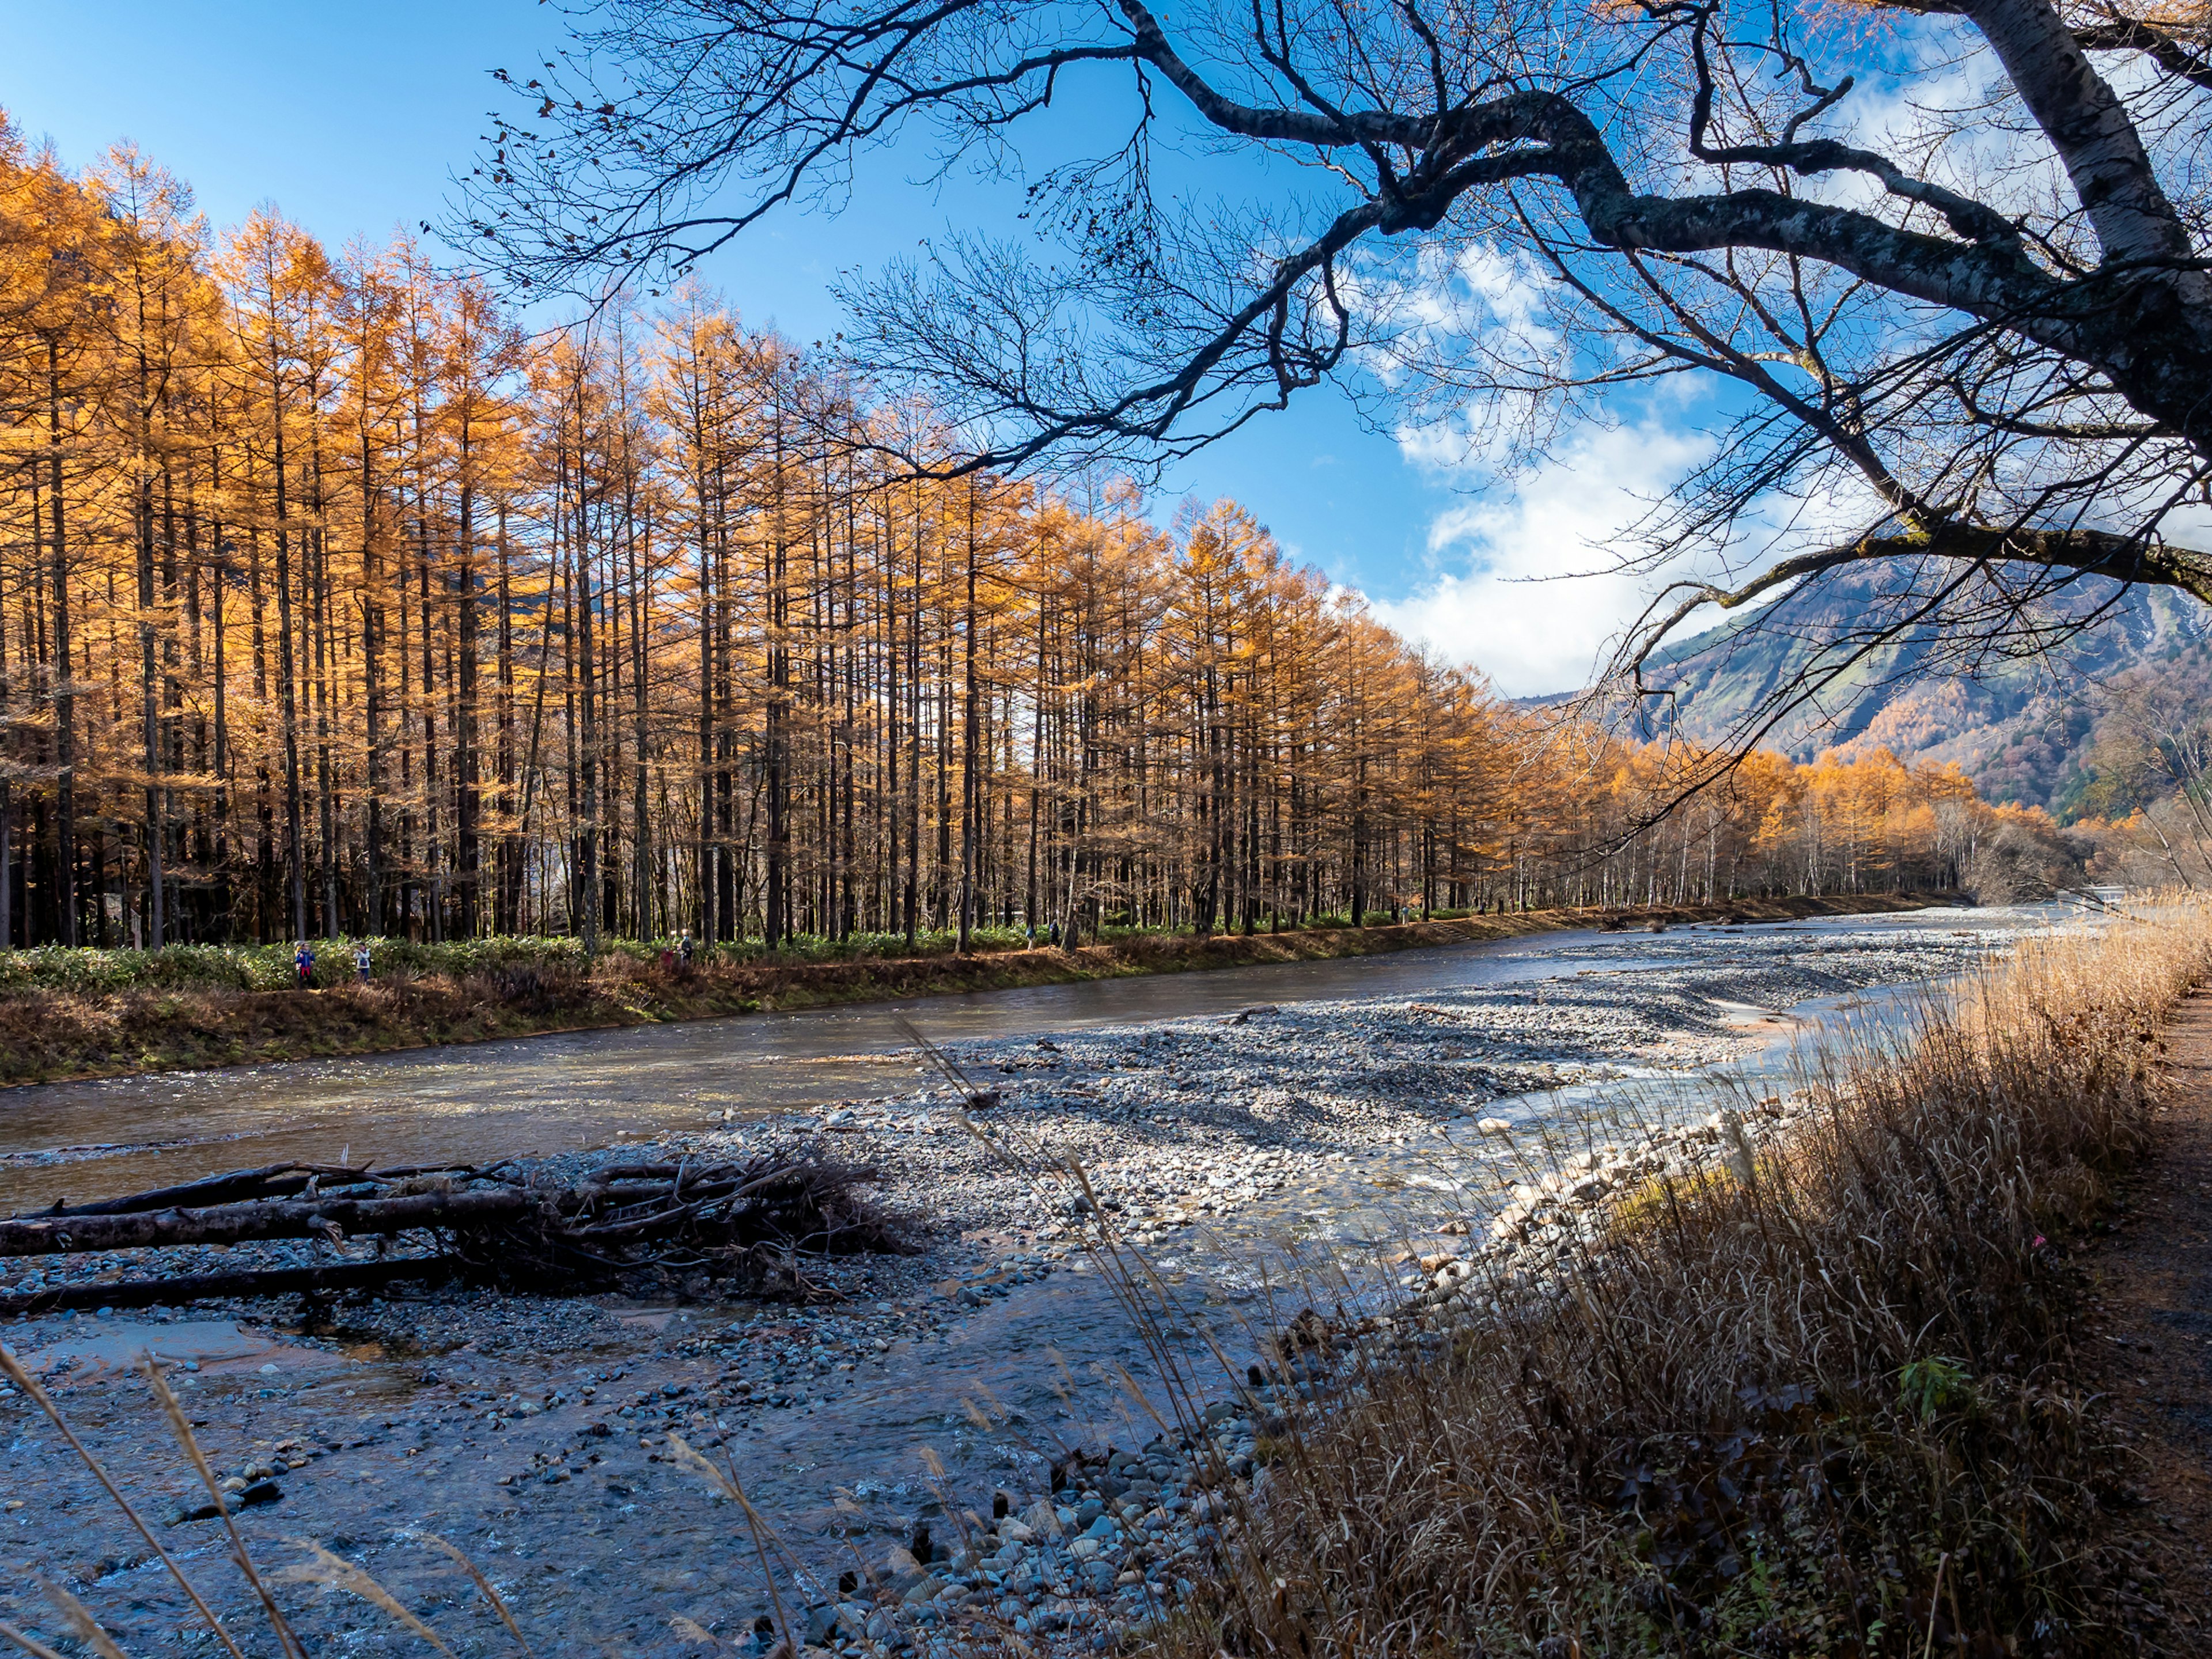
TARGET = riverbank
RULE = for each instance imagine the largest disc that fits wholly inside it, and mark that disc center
(1847, 1389)
(535, 1431)
(52, 1035)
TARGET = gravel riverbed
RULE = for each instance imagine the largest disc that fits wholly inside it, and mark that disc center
(543, 1436)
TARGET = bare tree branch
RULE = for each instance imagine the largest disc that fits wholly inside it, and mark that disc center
(1989, 320)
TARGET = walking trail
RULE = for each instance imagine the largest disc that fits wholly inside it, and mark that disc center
(2151, 1321)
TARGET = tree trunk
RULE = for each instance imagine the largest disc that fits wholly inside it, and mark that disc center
(244, 1223)
(970, 736)
(468, 855)
(64, 693)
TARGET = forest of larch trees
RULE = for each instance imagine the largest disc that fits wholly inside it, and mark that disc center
(331, 601)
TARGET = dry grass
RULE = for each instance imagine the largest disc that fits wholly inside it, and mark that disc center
(1825, 1409)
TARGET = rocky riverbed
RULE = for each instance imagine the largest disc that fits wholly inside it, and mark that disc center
(877, 1431)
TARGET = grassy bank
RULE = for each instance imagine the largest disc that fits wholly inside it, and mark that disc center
(102, 1013)
(1833, 1396)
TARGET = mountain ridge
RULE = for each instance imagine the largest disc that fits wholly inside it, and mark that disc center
(2019, 728)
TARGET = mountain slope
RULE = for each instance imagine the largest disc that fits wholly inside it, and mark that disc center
(2018, 728)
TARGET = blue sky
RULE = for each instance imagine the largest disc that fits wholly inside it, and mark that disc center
(350, 119)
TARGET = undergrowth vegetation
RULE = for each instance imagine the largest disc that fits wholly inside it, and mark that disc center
(270, 967)
(88, 971)
(91, 971)
(1816, 1401)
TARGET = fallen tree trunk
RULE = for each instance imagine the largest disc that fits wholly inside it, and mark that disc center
(273, 1180)
(747, 1220)
(179, 1289)
(262, 1219)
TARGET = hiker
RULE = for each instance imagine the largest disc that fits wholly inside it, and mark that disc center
(1031, 944)
(361, 961)
(303, 964)
(683, 948)
(1052, 935)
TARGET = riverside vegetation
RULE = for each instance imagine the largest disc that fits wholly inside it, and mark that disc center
(1797, 1377)
(1822, 1395)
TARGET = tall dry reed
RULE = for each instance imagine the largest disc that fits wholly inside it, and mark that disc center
(1810, 1398)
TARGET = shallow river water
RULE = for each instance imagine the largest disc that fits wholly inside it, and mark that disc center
(547, 1094)
(1046, 1351)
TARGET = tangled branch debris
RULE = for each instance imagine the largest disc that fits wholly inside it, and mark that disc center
(748, 1222)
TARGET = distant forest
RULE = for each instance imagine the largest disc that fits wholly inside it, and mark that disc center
(330, 603)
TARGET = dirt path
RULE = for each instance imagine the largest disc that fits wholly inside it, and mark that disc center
(2153, 1322)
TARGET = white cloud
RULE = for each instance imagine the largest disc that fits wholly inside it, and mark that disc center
(1526, 581)
(1517, 610)
(1424, 308)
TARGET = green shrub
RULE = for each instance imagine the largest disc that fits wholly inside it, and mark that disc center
(269, 967)
(84, 971)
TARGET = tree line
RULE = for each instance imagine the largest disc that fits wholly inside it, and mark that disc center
(331, 602)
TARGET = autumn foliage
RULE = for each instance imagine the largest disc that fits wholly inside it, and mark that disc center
(331, 602)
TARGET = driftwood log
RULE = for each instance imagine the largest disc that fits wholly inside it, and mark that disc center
(250, 1220)
(327, 1280)
(748, 1221)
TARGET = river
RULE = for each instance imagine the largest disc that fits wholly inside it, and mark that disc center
(1340, 1115)
(475, 1103)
